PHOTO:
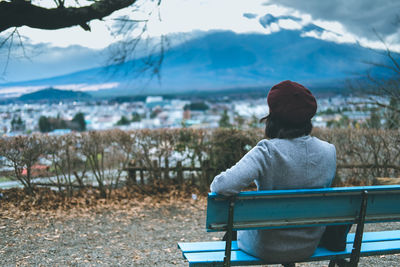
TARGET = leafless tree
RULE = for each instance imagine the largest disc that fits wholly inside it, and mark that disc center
(382, 91)
(17, 13)
(21, 154)
(68, 13)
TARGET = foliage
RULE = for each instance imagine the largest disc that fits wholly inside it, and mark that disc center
(239, 121)
(66, 161)
(374, 121)
(328, 111)
(79, 119)
(229, 146)
(254, 122)
(17, 124)
(378, 89)
(343, 122)
(136, 117)
(48, 124)
(224, 120)
(201, 106)
(392, 115)
(22, 153)
(100, 158)
(44, 124)
(364, 154)
(123, 121)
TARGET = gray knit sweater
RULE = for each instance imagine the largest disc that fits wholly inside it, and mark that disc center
(304, 162)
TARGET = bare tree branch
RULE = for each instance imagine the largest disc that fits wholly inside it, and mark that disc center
(382, 65)
(23, 13)
(388, 52)
(142, 52)
(4, 41)
(21, 44)
(136, 42)
(10, 39)
(124, 19)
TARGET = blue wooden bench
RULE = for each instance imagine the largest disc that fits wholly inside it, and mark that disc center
(300, 208)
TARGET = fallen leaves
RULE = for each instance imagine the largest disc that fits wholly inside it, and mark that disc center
(17, 204)
(126, 229)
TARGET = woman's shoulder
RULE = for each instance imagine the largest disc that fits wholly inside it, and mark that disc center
(275, 143)
(322, 143)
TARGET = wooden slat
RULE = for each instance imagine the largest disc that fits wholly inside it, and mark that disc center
(291, 208)
(376, 236)
(367, 249)
(205, 246)
(329, 190)
(239, 257)
(190, 247)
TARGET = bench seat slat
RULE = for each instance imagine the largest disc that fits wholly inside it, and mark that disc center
(376, 236)
(239, 257)
(205, 246)
(216, 258)
(220, 245)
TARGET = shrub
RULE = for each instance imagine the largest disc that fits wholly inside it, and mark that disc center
(160, 156)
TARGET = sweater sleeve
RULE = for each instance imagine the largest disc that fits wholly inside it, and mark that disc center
(236, 178)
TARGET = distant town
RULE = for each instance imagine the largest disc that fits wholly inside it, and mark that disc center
(153, 112)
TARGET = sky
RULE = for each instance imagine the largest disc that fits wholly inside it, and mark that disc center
(344, 21)
(349, 20)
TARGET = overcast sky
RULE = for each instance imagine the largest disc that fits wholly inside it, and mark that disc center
(348, 21)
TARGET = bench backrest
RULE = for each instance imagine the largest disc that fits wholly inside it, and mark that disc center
(305, 207)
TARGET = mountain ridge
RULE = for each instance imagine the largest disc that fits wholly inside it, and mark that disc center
(222, 60)
(53, 94)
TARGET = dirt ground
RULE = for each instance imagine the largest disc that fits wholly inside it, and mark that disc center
(127, 232)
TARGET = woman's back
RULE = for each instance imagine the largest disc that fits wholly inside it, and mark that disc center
(304, 162)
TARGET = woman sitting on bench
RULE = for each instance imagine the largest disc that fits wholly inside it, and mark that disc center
(289, 159)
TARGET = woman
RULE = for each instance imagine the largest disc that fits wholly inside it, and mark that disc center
(290, 159)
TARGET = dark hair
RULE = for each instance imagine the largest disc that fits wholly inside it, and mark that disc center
(275, 128)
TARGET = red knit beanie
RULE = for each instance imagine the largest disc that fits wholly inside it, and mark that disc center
(291, 103)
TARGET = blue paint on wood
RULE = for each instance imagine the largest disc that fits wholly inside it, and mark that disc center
(239, 257)
(191, 247)
(376, 236)
(205, 246)
(353, 189)
(290, 206)
(217, 258)
(306, 206)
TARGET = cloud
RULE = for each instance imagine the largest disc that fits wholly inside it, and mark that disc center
(250, 15)
(312, 28)
(359, 17)
(88, 87)
(267, 20)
